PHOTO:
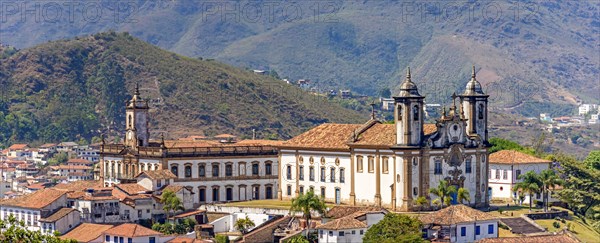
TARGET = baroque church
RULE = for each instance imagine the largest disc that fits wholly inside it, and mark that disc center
(390, 165)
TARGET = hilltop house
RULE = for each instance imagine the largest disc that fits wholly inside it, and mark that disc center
(459, 223)
(505, 168)
(17, 150)
(123, 233)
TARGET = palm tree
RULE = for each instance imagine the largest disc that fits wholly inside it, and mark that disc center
(421, 202)
(530, 184)
(549, 181)
(244, 224)
(305, 203)
(443, 191)
(171, 202)
(463, 194)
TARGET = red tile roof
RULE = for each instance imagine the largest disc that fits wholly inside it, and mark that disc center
(560, 238)
(36, 200)
(18, 146)
(338, 136)
(131, 188)
(352, 221)
(131, 230)
(455, 214)
(187, 214)
(158, 174)
(58, 215)
(79, 161)
(514, 157)
(86, 232)
(337, 212)
(79, 185)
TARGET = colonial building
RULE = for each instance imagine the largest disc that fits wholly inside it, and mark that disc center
(505, 168)
(392, 164)
(213, 170)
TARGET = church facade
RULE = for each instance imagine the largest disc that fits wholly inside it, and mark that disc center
(214, 170)
(391, 165)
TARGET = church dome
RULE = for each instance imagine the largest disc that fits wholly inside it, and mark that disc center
(137, 101)
(473, 86)
(408, 87)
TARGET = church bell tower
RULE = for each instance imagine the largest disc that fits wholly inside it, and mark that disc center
(475, 104)
(408, 115)
(136, 130)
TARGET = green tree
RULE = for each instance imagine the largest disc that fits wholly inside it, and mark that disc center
(221, 239)
(58, 158)
(298, 239)
(549, 181)
(592, 161)
(170, 202)
(243, 224)
(306, 203)
(530, 184)
(421, 202)
(395, 228)
(581, 188)
(505, 144)
(385, 93)
(444, 190)
(463, 194)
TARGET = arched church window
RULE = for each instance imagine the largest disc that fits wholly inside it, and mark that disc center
(416, 113)
(174, 170)
(480, 113)
(399, 110)
(130, 121)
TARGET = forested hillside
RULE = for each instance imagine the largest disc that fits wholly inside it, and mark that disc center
(72, 89)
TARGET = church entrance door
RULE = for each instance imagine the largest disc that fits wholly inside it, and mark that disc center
(454, 195)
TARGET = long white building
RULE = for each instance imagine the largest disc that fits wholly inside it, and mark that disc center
(392, 164)
(214, 170)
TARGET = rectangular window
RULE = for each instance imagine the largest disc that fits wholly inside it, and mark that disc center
(359, 164)
(255, 169)
(268, 169)
(242, 168)
(342, 175)
(228, 170)
(468, 166)
(490, 229)
(332, 175)
(341, 233)
(107, 238)
(311, 173)
(477, 230)
(129, 240)
(463, 231)
(497, 174)
(322, 174)
(289, 190)
(288, 172)
(330, 233)
(301, 189)
(517, 174)
(438, 167)
(361, 232)
(505, 174)
(215, 170)
(323, 192)
(152, 239)
(371, 164)
(301, 172)
(384, 165)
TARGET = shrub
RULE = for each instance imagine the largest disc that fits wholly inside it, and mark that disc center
(556, 224)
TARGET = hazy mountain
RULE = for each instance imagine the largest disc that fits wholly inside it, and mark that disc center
(536, 56)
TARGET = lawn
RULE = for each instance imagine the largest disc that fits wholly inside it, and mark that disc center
(272, 203)
(580, 229)
(512, 211)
